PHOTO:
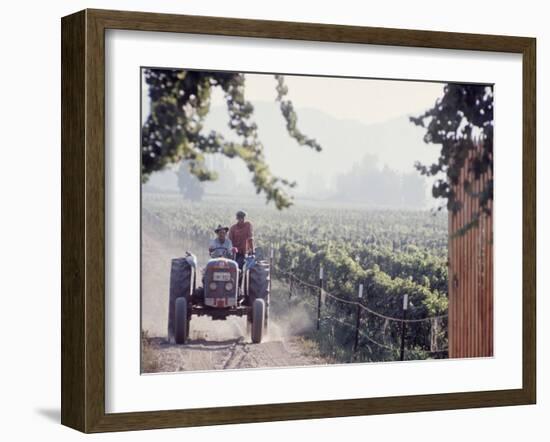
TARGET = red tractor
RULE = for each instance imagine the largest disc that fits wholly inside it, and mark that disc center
(226, 291)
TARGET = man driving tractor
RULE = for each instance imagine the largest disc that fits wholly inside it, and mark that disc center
(242, 238)
(221, 246)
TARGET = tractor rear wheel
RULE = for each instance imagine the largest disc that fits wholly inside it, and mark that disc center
(181, 285)
(258, 287)
(181, 323)
(258, 320)
(258, 281)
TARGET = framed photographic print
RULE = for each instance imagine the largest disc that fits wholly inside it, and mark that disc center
(270, 220)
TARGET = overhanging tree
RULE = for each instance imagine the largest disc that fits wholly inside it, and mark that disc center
(180, 101)
(461, 121)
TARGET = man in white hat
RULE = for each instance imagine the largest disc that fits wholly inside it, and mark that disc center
(221, 246)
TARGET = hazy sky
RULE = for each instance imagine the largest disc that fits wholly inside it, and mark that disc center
(368, 101)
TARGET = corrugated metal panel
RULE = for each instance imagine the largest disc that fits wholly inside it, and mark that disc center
(470, 277)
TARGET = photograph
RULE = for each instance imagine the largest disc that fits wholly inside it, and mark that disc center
(296, 220)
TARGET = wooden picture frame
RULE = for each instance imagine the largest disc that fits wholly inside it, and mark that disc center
(83, 220)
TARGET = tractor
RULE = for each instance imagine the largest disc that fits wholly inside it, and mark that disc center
(226, 290)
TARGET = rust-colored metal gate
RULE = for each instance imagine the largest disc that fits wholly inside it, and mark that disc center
(470, 276)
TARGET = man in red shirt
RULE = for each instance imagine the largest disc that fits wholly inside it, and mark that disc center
(241, 235)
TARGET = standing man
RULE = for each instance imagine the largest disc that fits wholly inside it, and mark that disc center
(241, 235)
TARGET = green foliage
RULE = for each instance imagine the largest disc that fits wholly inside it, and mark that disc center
(459, 121)
(180, 101)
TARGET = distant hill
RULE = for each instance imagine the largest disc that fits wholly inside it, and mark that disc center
(396, 143)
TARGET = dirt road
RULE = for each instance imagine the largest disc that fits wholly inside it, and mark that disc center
(215, 345)
(219, 345)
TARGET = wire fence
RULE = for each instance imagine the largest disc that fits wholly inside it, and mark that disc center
(356, 303)
(318, 291)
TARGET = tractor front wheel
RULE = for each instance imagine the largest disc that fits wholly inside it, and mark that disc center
(181, 321)
(258, 320)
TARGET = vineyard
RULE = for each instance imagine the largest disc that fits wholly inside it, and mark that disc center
(390, 253)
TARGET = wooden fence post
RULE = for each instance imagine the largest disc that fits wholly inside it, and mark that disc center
(319, 299)
(404, 326)
(434, 344)
(358, 322)
(271, 254)
(290, 282)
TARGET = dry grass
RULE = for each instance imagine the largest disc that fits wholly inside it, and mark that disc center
(149, 361)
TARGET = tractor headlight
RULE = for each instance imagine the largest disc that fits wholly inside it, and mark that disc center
(213, 286)
(228, 286)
